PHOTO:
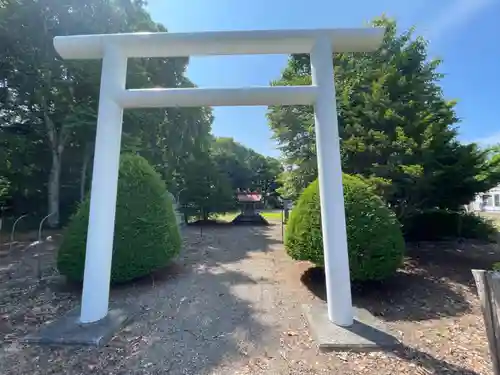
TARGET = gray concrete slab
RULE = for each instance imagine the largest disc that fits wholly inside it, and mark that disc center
(68, 330)
(366, 334)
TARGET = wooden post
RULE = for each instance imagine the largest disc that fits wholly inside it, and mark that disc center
(488, 289)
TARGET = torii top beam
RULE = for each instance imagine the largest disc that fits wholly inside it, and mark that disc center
(164, 44)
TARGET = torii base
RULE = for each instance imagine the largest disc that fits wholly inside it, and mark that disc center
(68, 330)
(366, 334)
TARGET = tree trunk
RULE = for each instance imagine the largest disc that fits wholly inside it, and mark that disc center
(83, 176)
(53, 189)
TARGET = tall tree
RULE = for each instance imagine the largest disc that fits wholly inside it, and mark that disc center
(394, 123)
(206, 190)
(245, 168)
(48, 106)
(51, 97)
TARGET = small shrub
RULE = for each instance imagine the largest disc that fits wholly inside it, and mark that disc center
(435, 225)
(375, 242)
(146, 232)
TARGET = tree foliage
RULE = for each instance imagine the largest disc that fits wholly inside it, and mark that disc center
(213, 178)
(48, 106)
(247, 169)
(435, 225)
(207, 189)
(395, 125)
(4, 191)
(48, 112)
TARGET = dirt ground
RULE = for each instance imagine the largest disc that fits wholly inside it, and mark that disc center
(231, 304)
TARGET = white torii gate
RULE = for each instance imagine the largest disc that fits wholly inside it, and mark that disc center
(115, 49)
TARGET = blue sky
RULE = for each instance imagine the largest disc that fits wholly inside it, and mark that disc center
(462, 32)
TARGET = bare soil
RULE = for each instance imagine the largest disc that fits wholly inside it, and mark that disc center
(231, 304)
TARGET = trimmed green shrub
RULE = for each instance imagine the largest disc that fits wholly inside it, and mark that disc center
(438, 224)
(146, 233)
(375, 241)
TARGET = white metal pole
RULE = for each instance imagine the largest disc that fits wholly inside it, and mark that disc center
(338, 285)
(104, 186)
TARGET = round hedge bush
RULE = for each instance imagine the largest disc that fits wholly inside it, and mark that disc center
(375, 240)
(146, 232)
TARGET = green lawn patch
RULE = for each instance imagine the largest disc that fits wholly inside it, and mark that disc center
(267, 214)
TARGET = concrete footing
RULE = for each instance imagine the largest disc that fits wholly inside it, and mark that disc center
(366, 334)
(68, 330)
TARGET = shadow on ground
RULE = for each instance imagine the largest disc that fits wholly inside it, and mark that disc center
(227, 243)
(412, 296)
(453, 260)
(205, 318)
(429, 286)
(431, 364)
(191, 317)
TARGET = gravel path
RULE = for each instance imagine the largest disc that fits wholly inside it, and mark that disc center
(230, 305)
(218, 310)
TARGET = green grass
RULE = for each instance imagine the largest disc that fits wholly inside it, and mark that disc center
(270, 215)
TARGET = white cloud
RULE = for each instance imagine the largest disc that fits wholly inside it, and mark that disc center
(454, 16)
(489, 140)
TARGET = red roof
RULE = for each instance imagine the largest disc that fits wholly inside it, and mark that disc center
(249, 197)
